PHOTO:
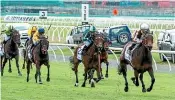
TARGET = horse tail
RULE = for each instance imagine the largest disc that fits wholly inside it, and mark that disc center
(73, 60)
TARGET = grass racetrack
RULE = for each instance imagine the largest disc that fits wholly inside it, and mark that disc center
(61, 86)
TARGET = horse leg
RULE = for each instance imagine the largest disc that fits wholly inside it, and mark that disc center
(2, 69)
(98, 75)
(85, 78)
(107, 64)
(124, 72)
(135, 79)
(101, 71)
(17, 65)
(143, 85)
(39, 73)
(150, 71)
(10, 67)
(75, 69)
(24, 60)
(48, 73)
(36, 75)
(28, 70)
(92, 77)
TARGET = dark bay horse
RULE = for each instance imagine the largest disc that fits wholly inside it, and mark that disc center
(91, 60)
(141, 61)
(40, 57)
(11, 51)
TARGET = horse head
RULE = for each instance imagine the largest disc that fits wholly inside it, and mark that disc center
(44, 45)
(99, 41)
(148, 41)
(16, 37)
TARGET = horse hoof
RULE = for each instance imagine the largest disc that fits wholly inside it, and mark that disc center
(10, 71)
(92, 85)
(126, 89)
(20, 74)
(48, 80)
(143, 90)
(27, 80)
(40, 83)
(83, 85)
(106, 75)
(148, 90)
(76, 85)
(83, 74)
(137, 85)
(133, 79)
(102, 77)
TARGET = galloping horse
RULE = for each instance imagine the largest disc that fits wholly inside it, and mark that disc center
(91, 60)
(11, 51)
(40, 57)
(141, 61)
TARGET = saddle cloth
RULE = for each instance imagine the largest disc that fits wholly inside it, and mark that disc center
(79, 52)
(30, 51)
(127, 54)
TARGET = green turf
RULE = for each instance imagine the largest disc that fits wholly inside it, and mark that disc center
(61, 86)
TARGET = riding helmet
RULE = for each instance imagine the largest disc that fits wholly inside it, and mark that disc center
(41, 30)
(34, 28)
(92, 29)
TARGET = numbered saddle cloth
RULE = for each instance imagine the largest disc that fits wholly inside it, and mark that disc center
(79, 52)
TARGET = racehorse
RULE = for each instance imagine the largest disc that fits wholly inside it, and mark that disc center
(11, 51)
(27, 43)
(141, 61)
(40, 57)
(91, 60)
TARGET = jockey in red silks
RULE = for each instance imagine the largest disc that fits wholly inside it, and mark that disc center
(137, 40)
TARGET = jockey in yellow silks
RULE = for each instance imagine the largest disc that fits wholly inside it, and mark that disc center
(35, 40)
(31, 31)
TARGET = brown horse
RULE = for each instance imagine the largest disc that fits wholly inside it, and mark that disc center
(91, 60)
(141, 61)
(40, 57)
(11, 51)
(27, 43)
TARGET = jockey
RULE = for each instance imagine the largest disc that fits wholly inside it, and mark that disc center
(137, 40)
(88, 38)
(8, 32)
(35, 40)
(144, 29)
(31, 31)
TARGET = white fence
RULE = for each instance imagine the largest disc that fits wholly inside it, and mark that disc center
(62, 25)
(111, 49)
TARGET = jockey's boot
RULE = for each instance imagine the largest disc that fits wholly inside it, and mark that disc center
(84, 50)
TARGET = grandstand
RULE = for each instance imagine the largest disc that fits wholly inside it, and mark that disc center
(103, 8)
